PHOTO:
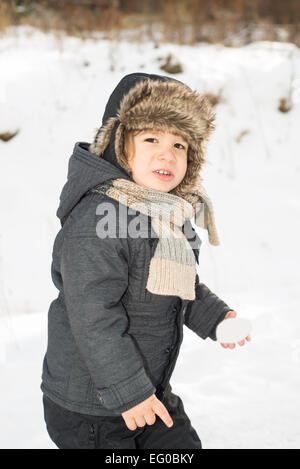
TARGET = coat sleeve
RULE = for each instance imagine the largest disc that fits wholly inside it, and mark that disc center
(203, 314)
(95, 277)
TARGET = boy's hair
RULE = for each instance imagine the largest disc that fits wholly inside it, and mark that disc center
(129, 142)
(129, 145)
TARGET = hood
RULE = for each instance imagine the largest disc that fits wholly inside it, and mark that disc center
(85, 170)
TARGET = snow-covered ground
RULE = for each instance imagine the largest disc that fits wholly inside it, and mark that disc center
(54, 92)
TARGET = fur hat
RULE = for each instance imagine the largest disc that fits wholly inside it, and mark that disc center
(167, 106)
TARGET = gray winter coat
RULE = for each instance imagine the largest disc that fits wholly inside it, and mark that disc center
(111, 343)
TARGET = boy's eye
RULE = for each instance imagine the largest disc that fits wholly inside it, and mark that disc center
(152, 138)
(183, 147)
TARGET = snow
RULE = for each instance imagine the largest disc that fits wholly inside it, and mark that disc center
(242, 398)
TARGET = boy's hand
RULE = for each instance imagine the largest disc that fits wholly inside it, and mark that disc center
(232, 314)
(144, 413)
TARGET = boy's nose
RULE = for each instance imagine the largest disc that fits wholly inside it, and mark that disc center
(167, 154)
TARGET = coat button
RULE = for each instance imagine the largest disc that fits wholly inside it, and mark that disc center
(168, 350)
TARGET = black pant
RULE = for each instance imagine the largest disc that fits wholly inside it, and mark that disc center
(72, 430)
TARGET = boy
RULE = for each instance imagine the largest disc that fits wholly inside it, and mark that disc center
(127, 284)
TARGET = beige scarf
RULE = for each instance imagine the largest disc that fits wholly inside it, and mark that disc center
(172, 268)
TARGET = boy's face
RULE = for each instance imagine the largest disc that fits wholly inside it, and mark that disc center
(153, 150)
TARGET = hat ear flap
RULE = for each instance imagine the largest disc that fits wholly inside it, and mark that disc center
(191, 182)
(120, 146)
(103, 136)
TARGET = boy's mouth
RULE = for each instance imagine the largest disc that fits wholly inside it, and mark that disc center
(162, 176)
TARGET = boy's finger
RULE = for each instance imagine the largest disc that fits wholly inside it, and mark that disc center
(130, 423)
(242, 342)
(231, 314)
(163, 414)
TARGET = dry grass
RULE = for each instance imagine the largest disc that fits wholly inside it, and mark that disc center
(241, 135)
(6, 136)
(231, 22)
(171, 65)
(285, 105)
(214, 98)
(73, 20)
(7, 15)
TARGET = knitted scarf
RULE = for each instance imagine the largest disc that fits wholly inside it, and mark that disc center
(172, 268)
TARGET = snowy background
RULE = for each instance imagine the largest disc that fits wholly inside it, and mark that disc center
(54, 92)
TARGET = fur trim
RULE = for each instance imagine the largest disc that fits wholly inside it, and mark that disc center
(103, 136)
(168, 106)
